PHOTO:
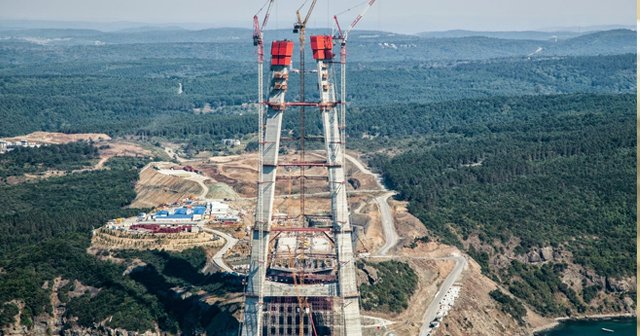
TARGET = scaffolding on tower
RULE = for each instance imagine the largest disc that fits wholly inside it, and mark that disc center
(302, 273)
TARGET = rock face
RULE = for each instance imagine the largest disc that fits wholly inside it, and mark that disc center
(546, 253)
(367, 275)
(618, 285)
(371, 274)
(534, 256)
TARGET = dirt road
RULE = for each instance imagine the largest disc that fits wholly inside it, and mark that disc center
(365, 170)
(191, 176)
(391, 236)
(432, 309)
(218, 257)
(391, 240)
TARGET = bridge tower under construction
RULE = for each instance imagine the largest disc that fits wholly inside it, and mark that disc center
(302, 276)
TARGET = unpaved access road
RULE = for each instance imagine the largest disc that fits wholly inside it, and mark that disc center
(391, 236)
(191, 176)
(218, 257)
(391, 240)
(432, 309)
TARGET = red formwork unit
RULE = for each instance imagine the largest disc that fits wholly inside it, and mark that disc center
(281, 52)
(322, 47)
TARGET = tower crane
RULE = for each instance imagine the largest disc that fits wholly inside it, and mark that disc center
(299, 27)
(258, 41)
(343, 37)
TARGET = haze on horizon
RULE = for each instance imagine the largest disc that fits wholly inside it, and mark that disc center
(406, 16)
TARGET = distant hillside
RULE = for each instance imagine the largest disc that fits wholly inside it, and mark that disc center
(128, 36)
(368, 46)
(403, 47)
(511, 35)
(605, 42)
(561, 33)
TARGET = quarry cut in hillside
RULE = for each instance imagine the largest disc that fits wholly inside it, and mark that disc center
(155, 188)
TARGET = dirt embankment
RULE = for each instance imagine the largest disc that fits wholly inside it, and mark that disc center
(106, 239)
(154, 189)
(241, 174)
(474, 312)
(56, 138)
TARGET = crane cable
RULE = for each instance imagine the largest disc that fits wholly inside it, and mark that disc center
(263, 6)
(351, 8)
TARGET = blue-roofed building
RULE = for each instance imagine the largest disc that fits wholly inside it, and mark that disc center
(182, 214)
(178, 216)
(198, 212)
(162, 213)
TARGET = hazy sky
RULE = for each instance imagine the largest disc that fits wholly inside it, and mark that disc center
(394, 15)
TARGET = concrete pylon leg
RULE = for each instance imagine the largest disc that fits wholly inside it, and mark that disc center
(347, 285)
(273, 305)
(252, 317)
(264, 204)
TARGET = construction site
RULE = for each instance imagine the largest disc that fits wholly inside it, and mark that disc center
(178, 226)
(293, 218)
(302, 276)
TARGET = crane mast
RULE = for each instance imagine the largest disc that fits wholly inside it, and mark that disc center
(301, 278)
(258, 41)
(343, 36)
(300, 27)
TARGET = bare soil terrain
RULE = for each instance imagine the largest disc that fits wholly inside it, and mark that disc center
(55, 138)
(154, 189)
(105, 239)
(474, 313)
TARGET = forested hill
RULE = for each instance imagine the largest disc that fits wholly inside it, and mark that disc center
(471, 117)
(508, 179)
(365, 46)
(45, 230)
(140, 97)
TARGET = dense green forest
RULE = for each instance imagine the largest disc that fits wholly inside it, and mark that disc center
(509, 305)
(139, 95)
(391, 290)
(65, 157)
(45, 230)
(542, 170)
